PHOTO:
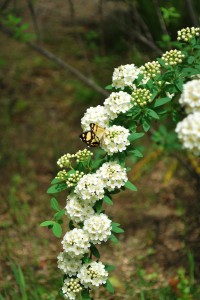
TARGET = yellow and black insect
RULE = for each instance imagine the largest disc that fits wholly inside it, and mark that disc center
(94, 136)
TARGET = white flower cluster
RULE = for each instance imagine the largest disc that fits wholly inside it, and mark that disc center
(69, 265)
(113, 175)
(124, 76)
(173, 57)
(117, 103)
(93, 275)
(76, 243)
(78, 210)
(71, 288)
(98, 228)
(115, 139)
(188, 131)
(186, 34)
(190, 97)
(62, 175)
(97, 115)
(90, 188)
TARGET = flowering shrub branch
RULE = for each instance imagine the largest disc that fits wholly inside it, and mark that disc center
(140, 96)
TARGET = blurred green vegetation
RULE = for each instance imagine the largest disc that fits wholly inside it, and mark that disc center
(41, 107)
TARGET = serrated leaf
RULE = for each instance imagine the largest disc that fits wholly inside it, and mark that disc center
(57, 188)
(108, 200)
(57, 230)
(95, 251)
(109, 287)
(161, 101)
(59, 214)
(54, 204)
(153, 114)
(134, 136)
(47, 223)
(129, 185)
(113, 238)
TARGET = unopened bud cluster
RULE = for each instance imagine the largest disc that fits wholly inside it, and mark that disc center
(62, 175)
(186, 34)
(150, 70)
(64, 161)
(141, 97)
(92, 273)
(74, 178)
(173, 57)
(83, 155)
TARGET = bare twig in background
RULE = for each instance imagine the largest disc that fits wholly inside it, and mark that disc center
(34, 19)
(5, 4)
(142, 32)
(89, 82)
(101, 17)
(160, 17)
(78, 37)
(191, 10)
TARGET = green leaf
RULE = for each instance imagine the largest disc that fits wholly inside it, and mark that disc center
(116, 229)
(71, 225)
(109, 287)
(134, 136)
(98, 206)
(57, 188)
(56, 180)
(190, 59)
(57, 230)
(85, 295)
(113, 238)
(108, 200)
(59, 214)
(109, 268)
(130, 186)
(145, 125)
(47, 223)
(153, 114)
(95, 251)
(54, 204)
(109, 87)
(136, 153)
(161, 101)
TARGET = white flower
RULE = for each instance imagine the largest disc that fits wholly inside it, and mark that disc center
(125, 76)
(113, 175)
(186, 34)
(78, 210)
(97, 115)
(98, 228)
(90, 188)
(188, 131)
(71, 288)
(173, 57)
(76, 243)
(93, 274)
(190, 97)
(115, 139)
(69, 265)
(118, 103)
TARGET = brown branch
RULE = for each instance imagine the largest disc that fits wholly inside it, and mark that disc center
(89, 82)
(160, 17)
(191, 10)
(34, 19)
